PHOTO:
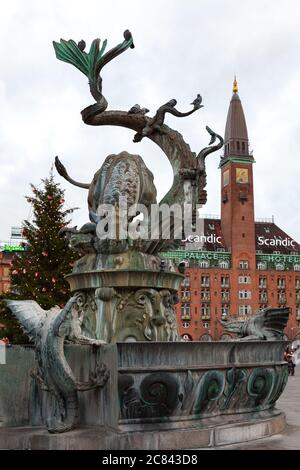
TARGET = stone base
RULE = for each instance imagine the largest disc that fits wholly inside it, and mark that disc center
(215, 432)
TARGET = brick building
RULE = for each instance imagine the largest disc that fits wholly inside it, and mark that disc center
(243, 264)
(5, 261)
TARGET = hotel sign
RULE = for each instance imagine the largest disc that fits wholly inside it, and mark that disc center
(279, 258)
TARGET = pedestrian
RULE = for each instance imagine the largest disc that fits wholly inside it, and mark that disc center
(288, 357)
(293, 360)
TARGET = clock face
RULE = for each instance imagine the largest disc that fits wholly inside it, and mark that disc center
(242, 175)
(225, 178)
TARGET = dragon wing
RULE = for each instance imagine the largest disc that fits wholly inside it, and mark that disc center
(29, 314)
(274, 319)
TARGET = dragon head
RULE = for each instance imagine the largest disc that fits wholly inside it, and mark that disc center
(235, 326)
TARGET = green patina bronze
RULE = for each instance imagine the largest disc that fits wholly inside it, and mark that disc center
(90, 63)
(124, 292)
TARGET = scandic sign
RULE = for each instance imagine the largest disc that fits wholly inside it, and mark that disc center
(262, 241)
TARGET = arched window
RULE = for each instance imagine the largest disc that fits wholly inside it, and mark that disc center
(204, 264)
(243, 146)
(186, 337)
(225, 337)
(261, 265)
(224, 264)
(296, 267)
(279, 267)
(206, 338)
(238, 146)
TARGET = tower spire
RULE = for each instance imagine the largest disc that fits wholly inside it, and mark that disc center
(235, 88)
(236, 143)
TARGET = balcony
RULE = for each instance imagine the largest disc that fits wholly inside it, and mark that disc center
(185, 298)
(185, 317)
(262, 285)
(205, 317)
(205, 298)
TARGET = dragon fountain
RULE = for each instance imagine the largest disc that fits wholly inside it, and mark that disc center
(117, 338)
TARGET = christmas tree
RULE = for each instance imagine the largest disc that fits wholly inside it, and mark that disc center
(38, 273)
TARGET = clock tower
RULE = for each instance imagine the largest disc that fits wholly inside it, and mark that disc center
(237, 205)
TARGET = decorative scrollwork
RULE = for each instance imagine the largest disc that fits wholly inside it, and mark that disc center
(260, 384)
(210, 389)
(234, 378)
(157, 396)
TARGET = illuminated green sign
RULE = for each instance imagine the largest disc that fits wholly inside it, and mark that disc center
(191, 255)
(8, 247)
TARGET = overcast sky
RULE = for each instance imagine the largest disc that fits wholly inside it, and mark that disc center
(182, 47)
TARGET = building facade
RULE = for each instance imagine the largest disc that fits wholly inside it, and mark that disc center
(16, 244)
(5, 261)
(243, 264)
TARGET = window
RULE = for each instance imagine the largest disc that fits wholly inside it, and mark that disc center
(298, 312)
(298, 297)
(185, 312)
(281, 297)
(258, 252)
(276, 252)
(244, 280)
(205, 295)
(297, 283)
(263, 296)
(244, 294)
(224, 264)
(244, 264)
(205, 325)
(204, 264)
(281, 283)
(186, 324)
(220, 250)
(187, 337)
(296, 267)
(225, 281)
(279, 267)
(225, 295)
(243, 146)
(262, 265)
(225, 312)
(205, 281)
(262, 283)
(205, 312)
(186, 282)
(244, 309)
(185, 295)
